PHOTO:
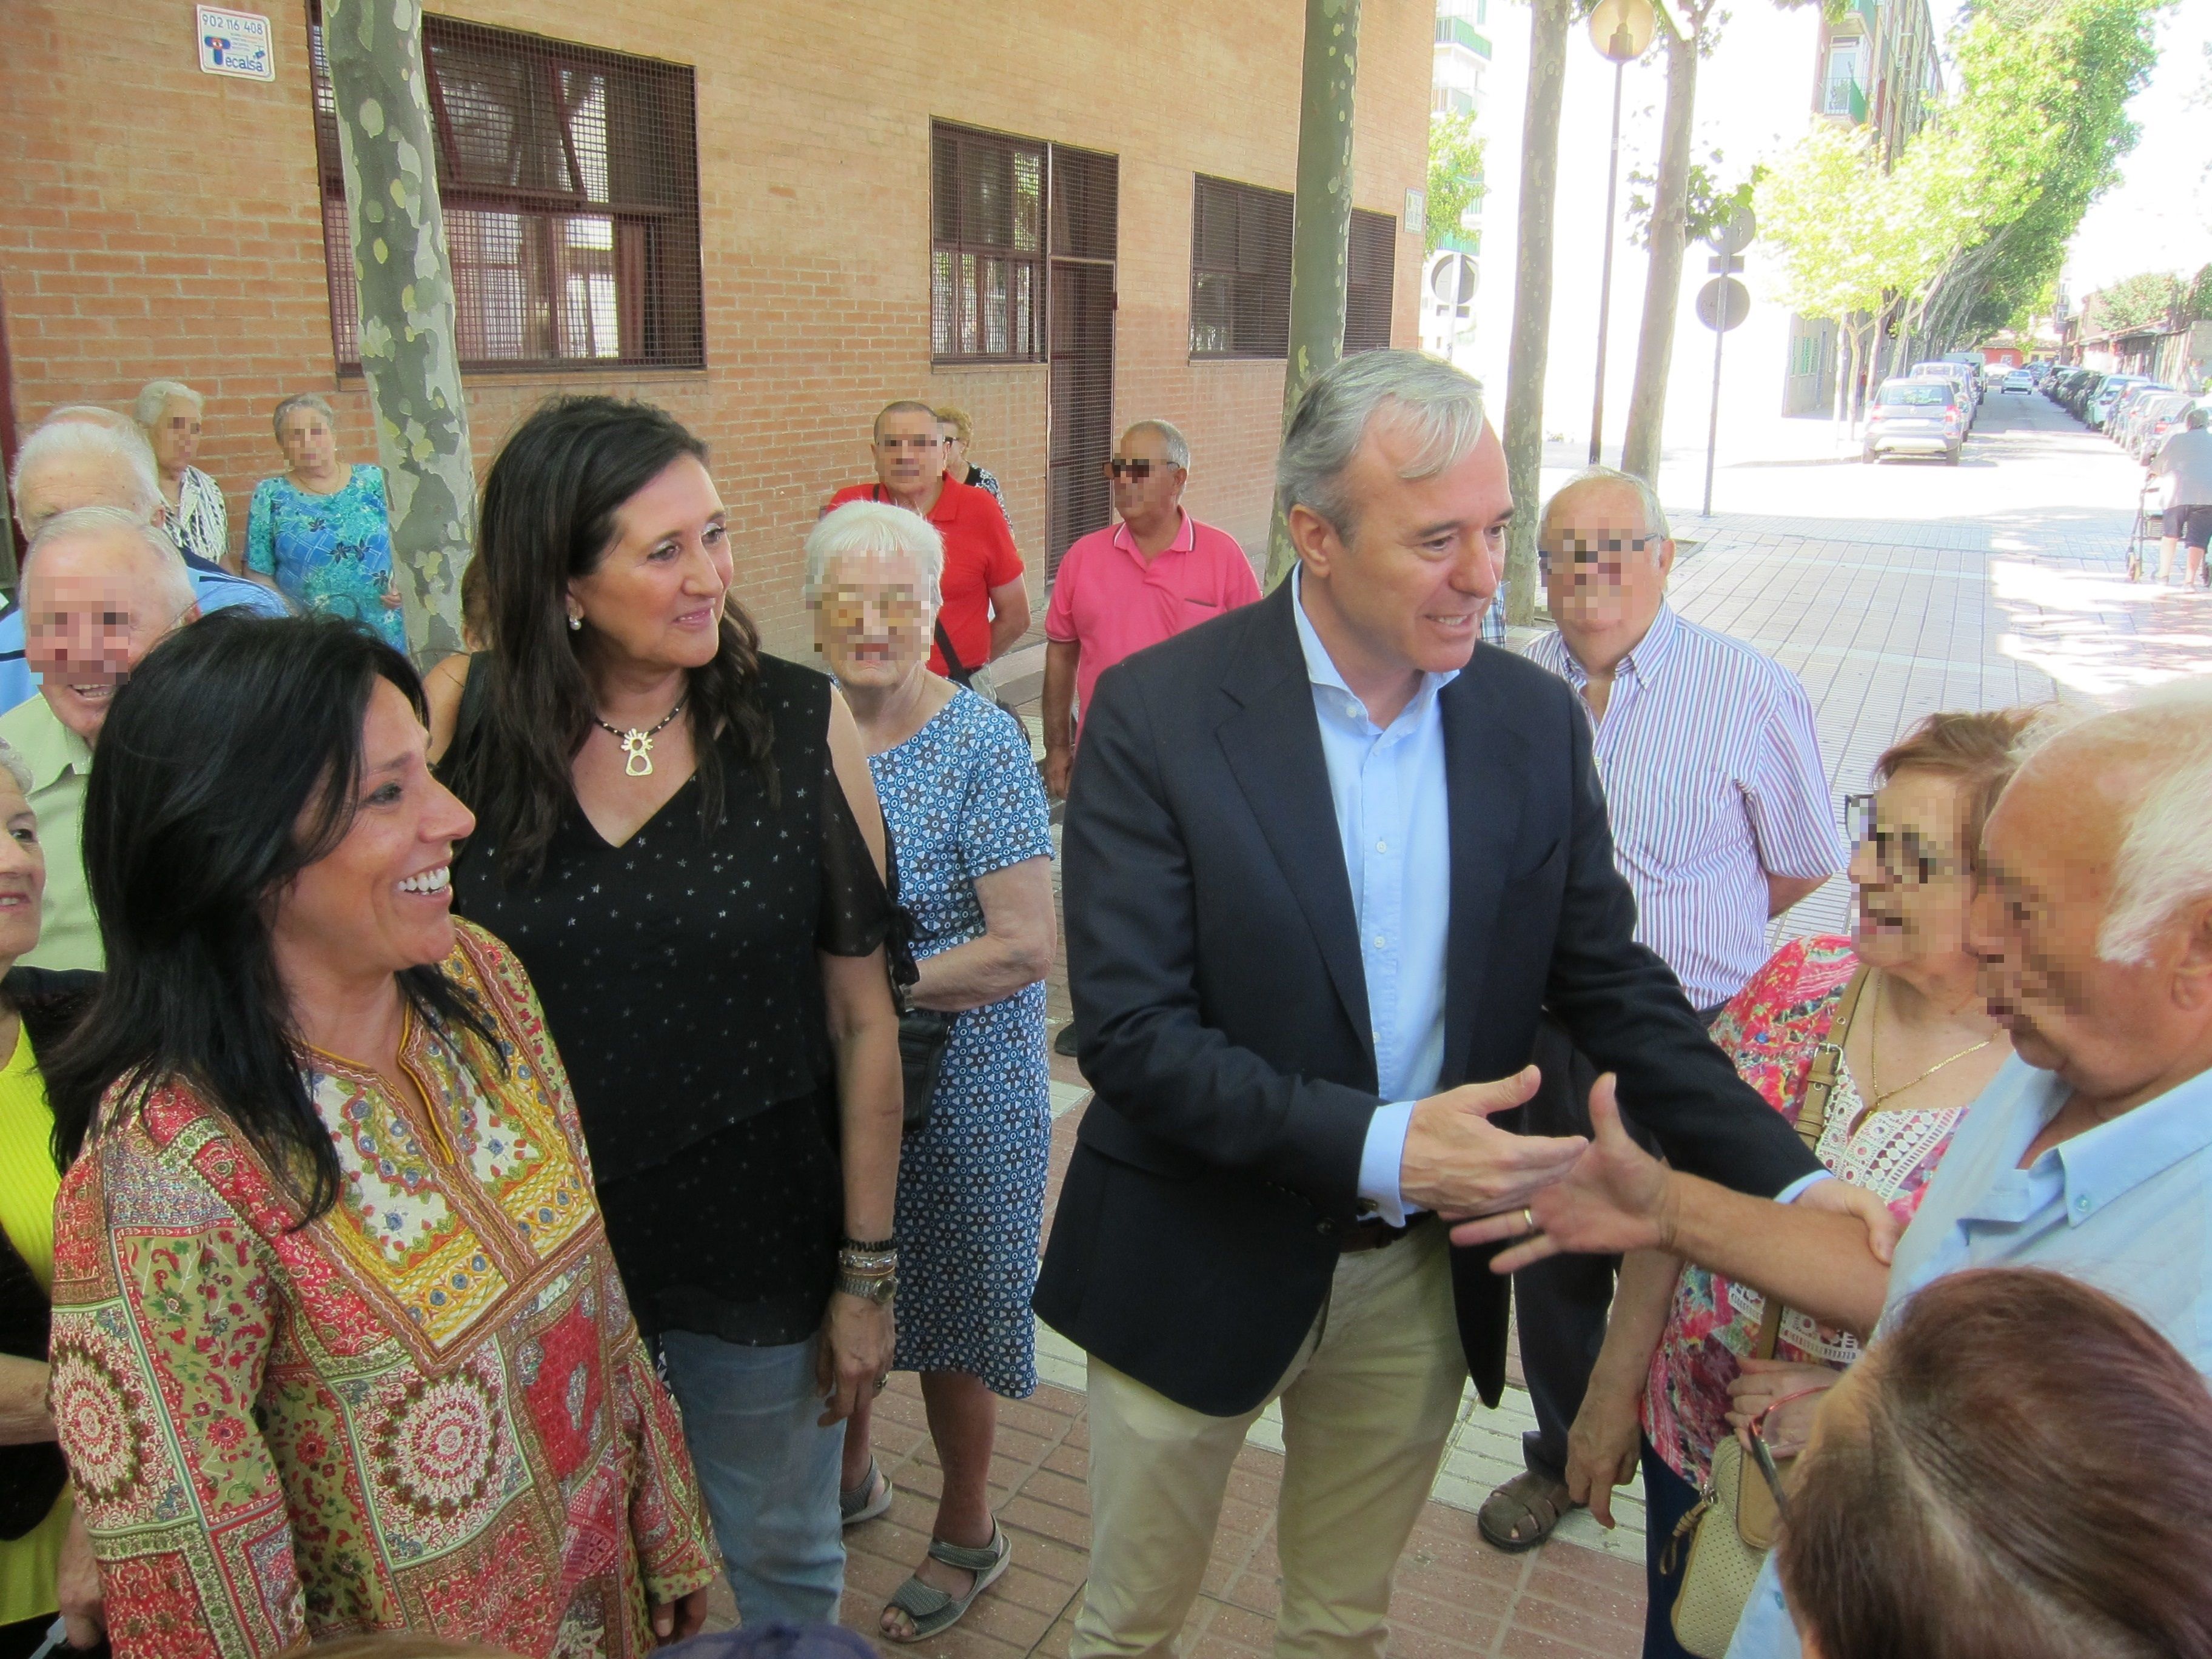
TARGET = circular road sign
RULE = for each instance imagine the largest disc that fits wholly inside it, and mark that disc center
(1452, 279)
(1723, 303)
(1735, 235)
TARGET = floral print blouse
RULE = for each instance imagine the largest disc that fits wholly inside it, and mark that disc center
(201, 523)
(1771, 1031)
(331, 553)
(428, 1408)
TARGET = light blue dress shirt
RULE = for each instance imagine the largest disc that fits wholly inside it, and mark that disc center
(2125, 1206)
(1388, 785)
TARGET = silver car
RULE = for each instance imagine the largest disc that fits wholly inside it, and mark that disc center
(1922, 415)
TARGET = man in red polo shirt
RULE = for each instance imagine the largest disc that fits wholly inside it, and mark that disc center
(1134, 584)
(985, 607)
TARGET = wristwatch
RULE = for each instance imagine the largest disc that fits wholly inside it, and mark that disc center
(879, 1289)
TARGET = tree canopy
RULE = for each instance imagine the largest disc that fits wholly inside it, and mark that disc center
(1455, 174)
(2146, 299)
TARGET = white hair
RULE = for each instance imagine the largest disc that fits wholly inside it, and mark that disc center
(1171, 440)
(1654, 516)
(73, 439)
(860, 529)
(13, 764)
(166, 564)
(299, 400)
(1440, 404)
(154, 398)
(2165, 861)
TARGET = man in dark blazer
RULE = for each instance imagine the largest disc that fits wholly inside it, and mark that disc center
(1325, 862)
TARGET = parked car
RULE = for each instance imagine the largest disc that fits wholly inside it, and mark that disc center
(1963, 378)
(1922, 415)
(2020, 380)
(2156, 432)
(2079, 392)
(2100, 406)
(2144, 415)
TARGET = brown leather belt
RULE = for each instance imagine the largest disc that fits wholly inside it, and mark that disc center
(1379, 1234)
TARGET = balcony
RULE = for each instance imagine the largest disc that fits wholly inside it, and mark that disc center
(1458, 32)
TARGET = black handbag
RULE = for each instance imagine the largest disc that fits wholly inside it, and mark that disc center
(923, 1033)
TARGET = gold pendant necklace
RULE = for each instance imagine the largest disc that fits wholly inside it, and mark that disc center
(1874, 1061)
(637, 743)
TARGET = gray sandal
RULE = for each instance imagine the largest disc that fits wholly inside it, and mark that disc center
(865, 1501)
(932, 1611)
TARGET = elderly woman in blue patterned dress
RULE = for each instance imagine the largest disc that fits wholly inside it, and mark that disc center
(967, 814)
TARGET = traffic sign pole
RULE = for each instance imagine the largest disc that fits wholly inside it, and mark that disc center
(1713, 423)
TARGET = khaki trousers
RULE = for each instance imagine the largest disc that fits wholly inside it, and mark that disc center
(1368, 1403)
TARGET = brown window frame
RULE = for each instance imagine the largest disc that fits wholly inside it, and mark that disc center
(966, 245)
(641, 280)
(1368, 298)
(1257, 310)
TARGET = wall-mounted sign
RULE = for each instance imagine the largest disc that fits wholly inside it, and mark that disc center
(236, 43)
(1416, 221)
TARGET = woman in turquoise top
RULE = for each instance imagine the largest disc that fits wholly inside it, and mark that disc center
(320, 532)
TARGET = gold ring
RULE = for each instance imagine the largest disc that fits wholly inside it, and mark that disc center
(1528, 1216)
(879, 1383)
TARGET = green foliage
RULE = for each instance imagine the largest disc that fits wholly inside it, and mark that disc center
(1708, 204)
(2143, 300)
(1822, 221)
(1455, 174)
(2197, 308)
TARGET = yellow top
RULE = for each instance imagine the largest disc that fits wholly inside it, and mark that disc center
(27, 1183)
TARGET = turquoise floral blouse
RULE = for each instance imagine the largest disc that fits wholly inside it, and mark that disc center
(331, 553)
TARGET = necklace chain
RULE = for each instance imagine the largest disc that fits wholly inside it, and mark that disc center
(637, 742)
(1874, 1061)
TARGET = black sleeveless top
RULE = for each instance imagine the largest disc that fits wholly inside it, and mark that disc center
(679, 980)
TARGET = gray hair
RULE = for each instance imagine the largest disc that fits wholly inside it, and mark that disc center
(13, 764)
(862, 529)
(2199, 418)
(298, 400)
(1440, 404)
(176, 582)
(154, 398)
(1654, 516)
(1171, 439)
(900, 406)
(122, 445)
(2165, 861)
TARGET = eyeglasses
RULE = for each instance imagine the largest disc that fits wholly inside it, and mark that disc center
(1579, 551)
(850, 610)
(1769, 1448)
(916, 444)
(1137, 469)
(1904, 855)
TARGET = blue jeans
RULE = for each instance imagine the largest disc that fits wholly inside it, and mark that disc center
(769, 1473)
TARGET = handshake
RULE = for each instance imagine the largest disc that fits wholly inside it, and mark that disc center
(1547, 1194)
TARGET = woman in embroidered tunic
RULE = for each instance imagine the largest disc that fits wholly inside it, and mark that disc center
(338, 1342)
(1677, 1356)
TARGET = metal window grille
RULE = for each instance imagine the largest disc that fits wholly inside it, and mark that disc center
(1371, 267)
(1085, 230)
(986, 252)
(1843, 77)
(1240, 270)
(570, 185)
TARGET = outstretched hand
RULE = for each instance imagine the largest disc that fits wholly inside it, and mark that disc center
(1615, 1198)
(1456, 1161)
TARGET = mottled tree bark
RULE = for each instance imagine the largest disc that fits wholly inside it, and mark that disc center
(1321, 232)
(1662, 285)
(1523, 433)
(407, 347)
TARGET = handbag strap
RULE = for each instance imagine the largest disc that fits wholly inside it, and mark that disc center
(956, 671)
(1813, 1119)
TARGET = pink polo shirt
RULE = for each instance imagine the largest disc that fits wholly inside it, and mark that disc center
(1107, 600)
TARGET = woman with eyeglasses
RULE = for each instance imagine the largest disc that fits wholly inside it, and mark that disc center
(1874, 1045)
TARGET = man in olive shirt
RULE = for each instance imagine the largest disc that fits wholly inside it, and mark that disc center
(99, 590)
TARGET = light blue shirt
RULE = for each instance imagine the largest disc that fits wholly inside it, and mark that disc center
(2125, 1206)
(1388, 785)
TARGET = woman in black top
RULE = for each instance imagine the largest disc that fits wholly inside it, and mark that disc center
(678, 837)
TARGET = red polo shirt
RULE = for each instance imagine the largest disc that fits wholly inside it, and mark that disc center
(979, 555)
(1109, 600)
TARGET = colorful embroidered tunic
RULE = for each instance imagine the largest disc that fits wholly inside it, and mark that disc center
(429, 1408)
(1771, 1031)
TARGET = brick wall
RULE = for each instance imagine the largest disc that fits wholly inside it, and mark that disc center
(156, 220)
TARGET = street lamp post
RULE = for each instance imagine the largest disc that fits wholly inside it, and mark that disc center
(1621, 30)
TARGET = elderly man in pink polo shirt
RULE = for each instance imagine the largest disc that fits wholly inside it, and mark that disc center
(1119, 590)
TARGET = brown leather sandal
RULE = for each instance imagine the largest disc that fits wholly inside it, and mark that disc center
(1521, 1514)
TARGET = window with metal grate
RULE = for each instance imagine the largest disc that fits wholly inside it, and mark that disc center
(570, 182)
(1240, 270)
(1369, 268)
(986, 248)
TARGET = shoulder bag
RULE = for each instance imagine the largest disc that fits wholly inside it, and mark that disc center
(1734, 1525)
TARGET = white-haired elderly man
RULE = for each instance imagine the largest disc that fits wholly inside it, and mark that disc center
(2089, 1154)
(1721, 820)
(1325, 860)
(83, 455)
(100, 589)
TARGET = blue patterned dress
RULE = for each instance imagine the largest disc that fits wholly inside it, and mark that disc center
(963, 798)
(331, 553)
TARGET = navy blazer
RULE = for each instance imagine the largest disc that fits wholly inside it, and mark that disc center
(1221, 1006)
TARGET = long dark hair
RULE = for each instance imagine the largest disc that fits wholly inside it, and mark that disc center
(230, 762)
(547, 517)
(2027, 1474)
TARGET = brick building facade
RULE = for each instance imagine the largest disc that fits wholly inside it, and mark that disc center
(159, 220)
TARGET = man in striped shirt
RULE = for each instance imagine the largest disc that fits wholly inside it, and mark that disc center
(1722, 820)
